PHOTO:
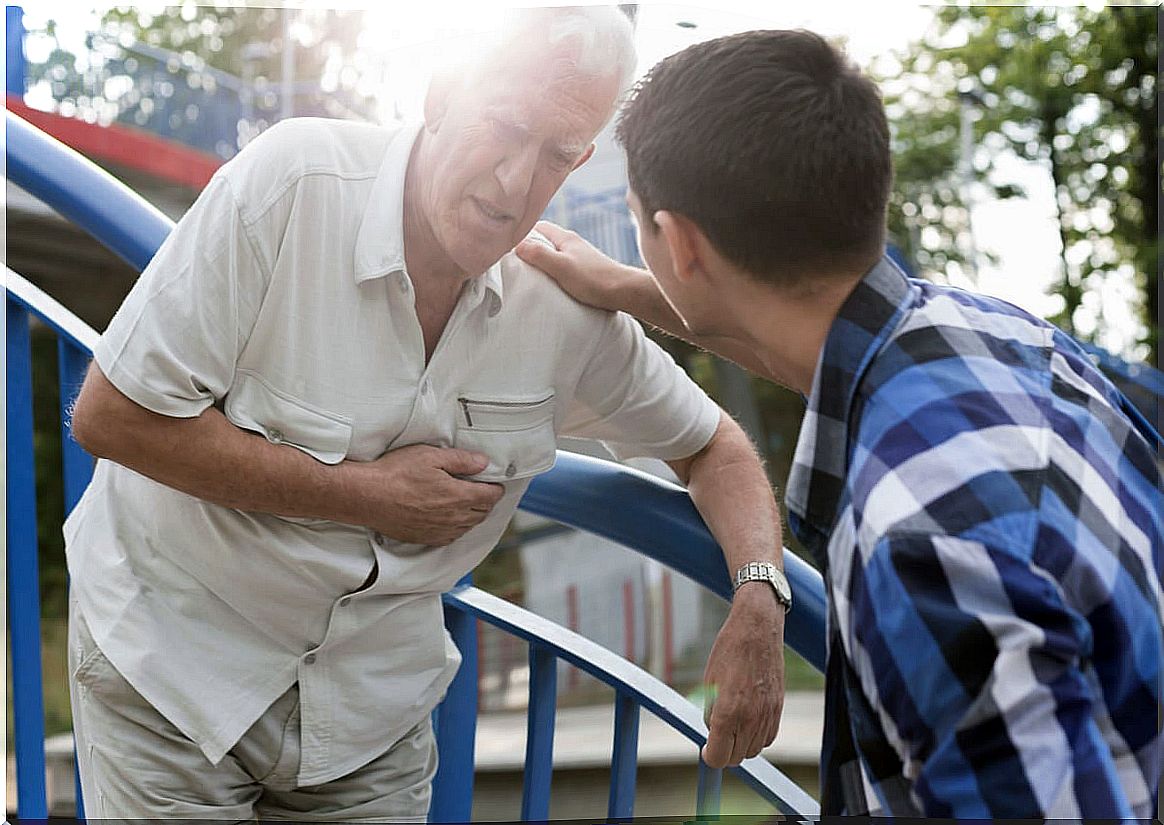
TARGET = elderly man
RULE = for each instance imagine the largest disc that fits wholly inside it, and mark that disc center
(986, 514)
(318, 409)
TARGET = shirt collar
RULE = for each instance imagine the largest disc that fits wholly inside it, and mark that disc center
(380, 238)
(863, 325)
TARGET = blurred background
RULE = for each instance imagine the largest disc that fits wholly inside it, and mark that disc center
(1025, 143)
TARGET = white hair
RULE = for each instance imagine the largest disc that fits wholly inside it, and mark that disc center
(603, 34)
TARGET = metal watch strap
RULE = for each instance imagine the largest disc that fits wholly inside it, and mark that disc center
(765, 571)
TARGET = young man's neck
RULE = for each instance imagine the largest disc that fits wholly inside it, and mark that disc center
(786, 327)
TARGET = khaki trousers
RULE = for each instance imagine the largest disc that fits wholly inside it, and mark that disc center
(135, 764)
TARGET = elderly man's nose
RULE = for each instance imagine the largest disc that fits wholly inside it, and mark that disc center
(516, 171)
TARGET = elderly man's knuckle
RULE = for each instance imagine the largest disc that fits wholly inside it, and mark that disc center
(730, 711)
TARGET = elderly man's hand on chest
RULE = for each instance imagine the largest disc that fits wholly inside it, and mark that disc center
(415, 494)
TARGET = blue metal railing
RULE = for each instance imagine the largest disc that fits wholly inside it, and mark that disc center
(581, 492)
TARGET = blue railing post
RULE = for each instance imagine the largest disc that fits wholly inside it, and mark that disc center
(77, 465)
(707, 791)
(624, 758)
(456, 728)
(23, 578)
(539, 739)
(14, 50)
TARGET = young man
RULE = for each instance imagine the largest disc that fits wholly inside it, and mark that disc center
(319, 408)
(987, 520)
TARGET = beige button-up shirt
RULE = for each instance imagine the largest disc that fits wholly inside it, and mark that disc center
(282, 298)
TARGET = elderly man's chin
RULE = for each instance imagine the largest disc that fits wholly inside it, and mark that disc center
(476, 247)
(473, 258)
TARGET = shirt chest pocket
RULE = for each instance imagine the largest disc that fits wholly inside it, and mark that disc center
(255, 405)
(516, 433)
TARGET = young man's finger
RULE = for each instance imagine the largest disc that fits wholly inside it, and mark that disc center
(554, 233)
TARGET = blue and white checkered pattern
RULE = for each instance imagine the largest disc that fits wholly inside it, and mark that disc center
(990, 528)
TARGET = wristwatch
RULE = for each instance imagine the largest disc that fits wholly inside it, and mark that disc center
(764, 571)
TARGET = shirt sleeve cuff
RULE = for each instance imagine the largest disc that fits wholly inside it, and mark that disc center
(684, 445)
(141, 394)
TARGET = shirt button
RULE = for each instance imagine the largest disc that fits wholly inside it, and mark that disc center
(275, 435)
(379, 539)
(511, 470)
(425, 387)
(345, 601)
(494, 308)
(309, 659)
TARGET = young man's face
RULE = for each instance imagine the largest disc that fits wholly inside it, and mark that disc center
(502, 145)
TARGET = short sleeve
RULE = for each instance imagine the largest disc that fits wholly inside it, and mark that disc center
(173, 344)
(634, 398)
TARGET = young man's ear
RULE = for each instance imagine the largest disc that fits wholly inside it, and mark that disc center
(685, 241)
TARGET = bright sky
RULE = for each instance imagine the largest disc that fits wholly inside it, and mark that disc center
(414, 36)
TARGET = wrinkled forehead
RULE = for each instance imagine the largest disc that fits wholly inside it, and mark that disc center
(541, 84)
(556, 66)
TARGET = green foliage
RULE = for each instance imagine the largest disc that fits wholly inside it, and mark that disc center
(1071, 89)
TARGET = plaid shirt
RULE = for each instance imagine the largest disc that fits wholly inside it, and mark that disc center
(989, 526)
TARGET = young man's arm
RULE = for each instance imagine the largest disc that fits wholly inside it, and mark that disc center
(746, 667)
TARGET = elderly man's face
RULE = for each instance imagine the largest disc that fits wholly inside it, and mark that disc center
(501, 146)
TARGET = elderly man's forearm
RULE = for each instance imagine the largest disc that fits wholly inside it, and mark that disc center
(205, 456)
(729, 487)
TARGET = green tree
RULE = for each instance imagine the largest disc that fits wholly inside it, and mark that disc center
(1071, 89)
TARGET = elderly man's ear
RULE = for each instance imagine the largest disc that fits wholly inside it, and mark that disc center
(689, 248)
(436, 99)
(585, 157)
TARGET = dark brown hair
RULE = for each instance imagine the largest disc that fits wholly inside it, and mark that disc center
(773, 143)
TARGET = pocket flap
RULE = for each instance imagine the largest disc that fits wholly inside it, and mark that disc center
(505, 415)
(517, 435)
(254, 404)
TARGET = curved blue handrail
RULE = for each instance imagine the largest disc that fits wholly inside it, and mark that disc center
(626, 677)
(84, 193)
(661, 522)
